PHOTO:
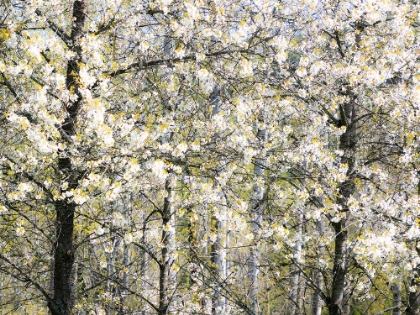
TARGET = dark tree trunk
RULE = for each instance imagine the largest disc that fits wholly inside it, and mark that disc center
(348, 141)
(168, 240)
(413, 303)
(64, 255)
(413, 307)
(145, 263)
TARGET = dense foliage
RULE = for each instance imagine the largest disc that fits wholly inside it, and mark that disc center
(209, 157)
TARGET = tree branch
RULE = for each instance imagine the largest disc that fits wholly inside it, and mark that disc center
(60, 33)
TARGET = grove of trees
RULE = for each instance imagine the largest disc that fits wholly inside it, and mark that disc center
(214, 157)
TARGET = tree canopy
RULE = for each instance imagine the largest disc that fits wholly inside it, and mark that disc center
(209, 157)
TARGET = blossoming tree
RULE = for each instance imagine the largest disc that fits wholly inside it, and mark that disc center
(209, 157)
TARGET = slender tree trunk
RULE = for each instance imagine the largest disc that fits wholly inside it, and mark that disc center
(64, 255)
(256, 217)
(253, 276)
(125, 277)
(193, 248)
(296, 308)
(206, 301)
(218, 255)
(218, 250)
(74, 282)
(301, 297)
(413, 307)
(166, 277)
(316, 297)
(110, 260)
(144, 265)
(219, 260)
(166, 274)
(347, 302)
(396, 299)
(339, 270)
(113, 280)
(227, 270)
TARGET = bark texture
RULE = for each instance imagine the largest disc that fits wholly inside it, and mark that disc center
(413, 307)
(166, 277)
(64, 255)
(348, 141)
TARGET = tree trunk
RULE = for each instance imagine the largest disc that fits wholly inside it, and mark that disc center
(166, 277)
(206, 301)
(63, 260)
(166, 274)
(339, 269)
(110, 284)
(316, 296)
(193, 260)
(413, 307)
(396, 299)
(347, 302)
(144, 266)
(64, 255)
(256, 217)
(296, 277)
(219, 267)
(218, 248)
(413, 303)
(348, 141)
(125, 275)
